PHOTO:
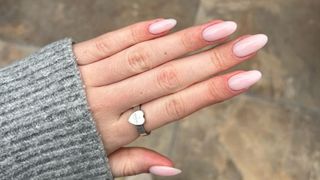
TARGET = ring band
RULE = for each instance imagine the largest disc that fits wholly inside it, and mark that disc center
(137, 118)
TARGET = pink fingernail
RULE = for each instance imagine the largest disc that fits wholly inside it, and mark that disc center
(162, 26)
(244, 80)
(250, 45)
(164, 171)
(219, 31)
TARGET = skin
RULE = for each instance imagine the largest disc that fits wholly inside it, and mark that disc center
(131, 66)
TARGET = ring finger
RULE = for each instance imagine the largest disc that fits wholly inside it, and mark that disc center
(178, 105)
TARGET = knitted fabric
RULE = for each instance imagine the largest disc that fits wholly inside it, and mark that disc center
(46, 128)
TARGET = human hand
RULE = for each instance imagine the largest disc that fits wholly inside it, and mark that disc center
(141, 64)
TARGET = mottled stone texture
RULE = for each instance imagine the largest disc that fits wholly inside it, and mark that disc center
(271, 132)
(37, 22)
(9, 52)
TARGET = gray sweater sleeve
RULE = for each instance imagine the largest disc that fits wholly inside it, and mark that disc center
(46, 128)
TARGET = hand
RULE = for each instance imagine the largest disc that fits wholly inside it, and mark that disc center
(141, 64)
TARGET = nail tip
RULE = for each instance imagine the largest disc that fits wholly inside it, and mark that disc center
(164, 171)
(172, 21)
(233, 27)
(257, 74)
(179, 171)
(232, 24)
(219, 30)
(162, 26)
(264, 38)
(250, 45)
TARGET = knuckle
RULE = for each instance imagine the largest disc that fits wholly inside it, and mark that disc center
(138, 59)
(216, 90)
(175, 108)
(135, 33)
(103, 45)
(167, 78)
(127, 167)
(217, 59)
(98, 105)
(187, 42)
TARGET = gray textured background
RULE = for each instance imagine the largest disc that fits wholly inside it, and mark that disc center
(271, 132)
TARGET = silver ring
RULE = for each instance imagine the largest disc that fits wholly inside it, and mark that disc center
(137, 118)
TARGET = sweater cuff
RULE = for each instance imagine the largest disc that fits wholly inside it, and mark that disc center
(46, 128)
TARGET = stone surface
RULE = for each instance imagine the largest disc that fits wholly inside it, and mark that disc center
(249, 138)
(145, 176)
(140, 177)
(38, 22)
(198, 150)
(10, 52)
(274, 141)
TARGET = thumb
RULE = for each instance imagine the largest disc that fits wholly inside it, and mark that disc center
(129, 161)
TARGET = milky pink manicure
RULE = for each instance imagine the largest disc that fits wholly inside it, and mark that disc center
(164, 171)
(162, 26)
(219, 31)
(250, 45)
(244, 80)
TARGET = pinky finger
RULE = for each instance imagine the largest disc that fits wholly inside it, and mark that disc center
(128, 161)
(212, 91)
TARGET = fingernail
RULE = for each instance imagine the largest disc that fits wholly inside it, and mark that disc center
(250, 45)
(219, 31)
(162, 26)
(244, 80)
(164, 171)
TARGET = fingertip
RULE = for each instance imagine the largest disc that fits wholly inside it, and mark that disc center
(135, 160)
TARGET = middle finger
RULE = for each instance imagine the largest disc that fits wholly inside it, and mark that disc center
(178, 74)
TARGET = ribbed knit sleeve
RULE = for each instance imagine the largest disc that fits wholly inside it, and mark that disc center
(46, 128)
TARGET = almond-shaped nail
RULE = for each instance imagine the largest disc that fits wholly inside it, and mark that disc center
(162, 26)
(250, 45)
(244, 80)
(219, 31)
(164, 171)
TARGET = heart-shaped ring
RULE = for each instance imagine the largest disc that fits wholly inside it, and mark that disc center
(137, 119)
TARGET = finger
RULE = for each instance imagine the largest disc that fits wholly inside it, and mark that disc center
(149, 54)
(110, 43)
(177, 75)
(181, 104)
(131, 161)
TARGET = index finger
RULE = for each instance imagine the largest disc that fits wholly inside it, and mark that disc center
(110, 43)
(147, 55)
